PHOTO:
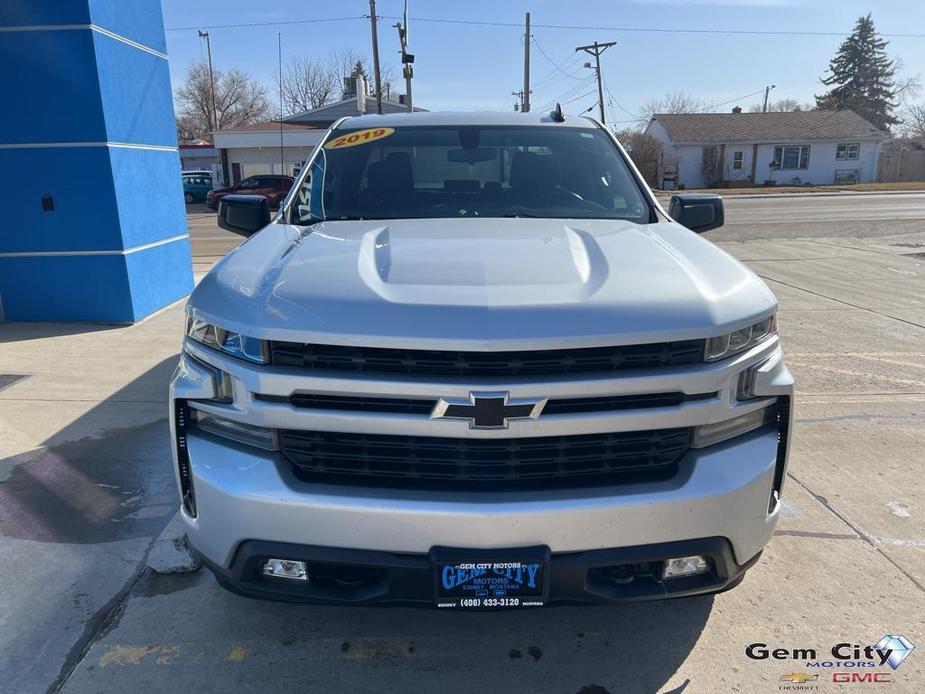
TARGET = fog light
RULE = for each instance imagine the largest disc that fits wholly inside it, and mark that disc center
(286, 568)
(248, 434)
(685, 566)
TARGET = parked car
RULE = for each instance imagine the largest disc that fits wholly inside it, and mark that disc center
(473, 363)
(272, 187)
(196, 185)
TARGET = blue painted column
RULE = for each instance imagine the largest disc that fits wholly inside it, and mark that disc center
(92, 218)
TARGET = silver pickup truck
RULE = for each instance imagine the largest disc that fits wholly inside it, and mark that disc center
(473, 363)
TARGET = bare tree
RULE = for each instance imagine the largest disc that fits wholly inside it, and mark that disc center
(780, 106)
(673, 102)
(308, 84)
(645, 151)
(914, 121)
(239, 100)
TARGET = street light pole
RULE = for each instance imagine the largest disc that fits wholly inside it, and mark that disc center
(596, 49)
(213, 119)
(767, 90)
(407, 59)
(372, 24)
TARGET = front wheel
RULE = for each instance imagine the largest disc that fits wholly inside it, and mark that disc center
(188, 197)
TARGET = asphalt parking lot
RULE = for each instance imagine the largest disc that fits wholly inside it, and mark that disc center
(86, 487)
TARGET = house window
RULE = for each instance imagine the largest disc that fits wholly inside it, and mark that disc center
(737, 161)
(791, 157)
(848, 151)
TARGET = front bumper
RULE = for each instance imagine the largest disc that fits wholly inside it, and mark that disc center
(722, 501)
(362, 577)
(243, 494)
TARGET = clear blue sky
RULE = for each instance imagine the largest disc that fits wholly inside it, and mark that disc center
(469, 67)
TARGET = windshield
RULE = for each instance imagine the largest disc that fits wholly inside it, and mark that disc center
(469, 171)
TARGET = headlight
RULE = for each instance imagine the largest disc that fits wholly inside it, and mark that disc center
(741, 340)
(235, 344)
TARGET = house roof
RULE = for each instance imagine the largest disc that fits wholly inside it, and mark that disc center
(765, 127)
(329, 113)
(319, 118)
(272, 126)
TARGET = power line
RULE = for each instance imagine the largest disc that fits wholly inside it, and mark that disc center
(724, 103)
(661, 30)
(271, 24)
(574, 89)
(618, 104)
(574, 27)
(555, 64)
(568, 101)
(557, 79)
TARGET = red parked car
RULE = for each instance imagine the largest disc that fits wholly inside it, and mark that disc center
(271, 186)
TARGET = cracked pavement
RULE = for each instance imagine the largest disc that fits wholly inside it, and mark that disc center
(86, 488)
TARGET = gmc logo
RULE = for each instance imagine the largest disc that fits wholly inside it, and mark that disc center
(861, 677)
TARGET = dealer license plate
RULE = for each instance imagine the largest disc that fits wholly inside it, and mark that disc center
(491, 579)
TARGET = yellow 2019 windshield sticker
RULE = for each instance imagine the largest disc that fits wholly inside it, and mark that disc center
(360, 137)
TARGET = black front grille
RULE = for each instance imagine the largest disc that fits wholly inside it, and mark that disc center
(380, 405)
(352, 403)
(446, 363)
(549, 461)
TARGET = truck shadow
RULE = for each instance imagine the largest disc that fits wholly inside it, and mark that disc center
(636, 647)
(102, 478)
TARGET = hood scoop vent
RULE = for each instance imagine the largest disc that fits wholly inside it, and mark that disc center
(502, 258)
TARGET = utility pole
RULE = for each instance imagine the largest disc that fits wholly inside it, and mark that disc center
(407, 58)
(213, 120)
(596, 49)
(767, 90)
(519, 95)
(525, 102)
(372, 24)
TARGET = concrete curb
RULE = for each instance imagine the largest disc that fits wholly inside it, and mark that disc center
(170, 553)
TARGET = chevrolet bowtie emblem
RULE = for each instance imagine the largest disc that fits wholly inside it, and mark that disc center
(490, 410)
(798, 678)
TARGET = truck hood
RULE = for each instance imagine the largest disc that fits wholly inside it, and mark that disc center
(480, 284)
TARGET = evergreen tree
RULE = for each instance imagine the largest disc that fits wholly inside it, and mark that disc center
(861, 77)
(358, 70)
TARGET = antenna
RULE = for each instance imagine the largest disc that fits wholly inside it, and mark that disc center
(556, 113)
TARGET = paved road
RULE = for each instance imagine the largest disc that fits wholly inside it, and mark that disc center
(842, 216)
(802, 209)
(747, 218)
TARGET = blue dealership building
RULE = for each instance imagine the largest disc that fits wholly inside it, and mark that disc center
(94, 226)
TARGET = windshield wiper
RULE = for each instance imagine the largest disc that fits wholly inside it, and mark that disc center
(520, 214)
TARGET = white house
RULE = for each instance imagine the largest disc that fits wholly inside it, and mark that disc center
(276, 147)
(705, 150)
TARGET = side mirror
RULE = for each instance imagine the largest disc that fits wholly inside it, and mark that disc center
(243, 214)
(699, 212)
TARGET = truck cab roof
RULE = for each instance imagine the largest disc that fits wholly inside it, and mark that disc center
(463, 118)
